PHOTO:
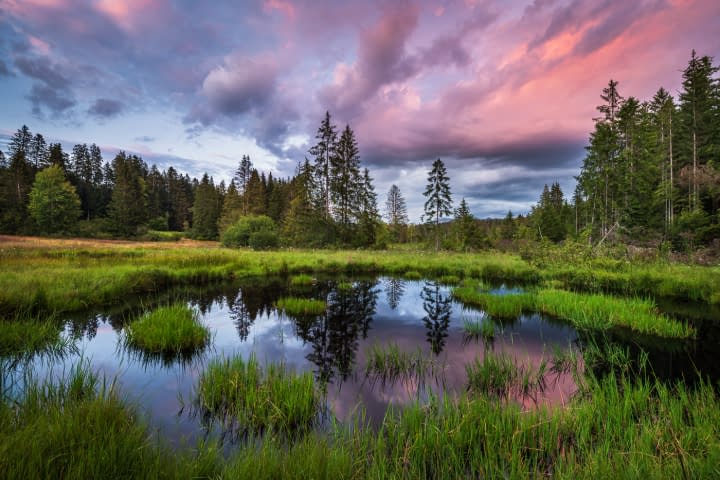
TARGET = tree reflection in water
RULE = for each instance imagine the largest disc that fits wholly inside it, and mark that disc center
(438, 308)
(394, 290)
(334, 335)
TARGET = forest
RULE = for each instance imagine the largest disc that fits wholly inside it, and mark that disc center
(651, 177)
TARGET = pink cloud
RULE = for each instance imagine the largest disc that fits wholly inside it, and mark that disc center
(285, 7)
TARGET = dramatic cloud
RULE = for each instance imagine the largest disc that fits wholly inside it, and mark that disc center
(106, 108)
(503, 91)
(52, 91)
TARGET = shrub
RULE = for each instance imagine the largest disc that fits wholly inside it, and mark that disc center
(239, 233)
(264, 240)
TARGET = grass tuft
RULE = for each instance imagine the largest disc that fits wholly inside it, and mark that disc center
(168, 330)
(253, 399)
(301, 306)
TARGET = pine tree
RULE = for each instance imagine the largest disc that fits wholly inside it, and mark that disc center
(465, 227)
(439, 200)
(698, 118)
(231, 209)
(254, 196)
(242, 178)
(369, 216)
(128, 206)
(38, 152)
(345, 183)
(396, 212)
(301, 222)
(205, 210)
(20, 143)
(324, 152)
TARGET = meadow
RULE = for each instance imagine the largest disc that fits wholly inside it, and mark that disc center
(79, 424)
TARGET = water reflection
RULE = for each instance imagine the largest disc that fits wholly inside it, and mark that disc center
(438, 308)
(394, 289)
(334, 335)
(414, 315)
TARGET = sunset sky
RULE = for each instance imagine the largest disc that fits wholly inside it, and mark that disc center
(503, 91)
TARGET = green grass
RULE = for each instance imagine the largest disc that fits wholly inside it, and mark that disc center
(622, 427)
(168, 330)
(601, 312)
(412, 275)
(474, 329)
(301, 306)
(584, 311)
(60, 276)
(254, 399)
(493, 375)
(449, 280)
(302, 280)
(508, 306)
(23, 336)
(78, 427)
(388, 363)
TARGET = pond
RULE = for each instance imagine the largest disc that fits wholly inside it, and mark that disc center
(415, 316)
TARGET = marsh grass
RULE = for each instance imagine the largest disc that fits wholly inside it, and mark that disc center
(302, 280)
(246, 397)
(77, 426)
(478, 328)
(493, 375)
(25, 336)
(449, 280)
(168, 331)
(301, 306)
(389, 364)
(601, 312)
(584, 311)
(412, 275)
(623, 427)
(508, 306)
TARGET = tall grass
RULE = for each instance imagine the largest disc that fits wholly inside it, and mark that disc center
(23, 336)
(388, 363)
(623, 427)
(245, 396)
(493, 375)
(77, 426)
(474, 329)
(584, 311)
(501, 306)
(302, 280)
(173, 329)
(600, 312)
(301, 306)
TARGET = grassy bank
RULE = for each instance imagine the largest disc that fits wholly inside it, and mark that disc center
(80, 428)
(60, 276)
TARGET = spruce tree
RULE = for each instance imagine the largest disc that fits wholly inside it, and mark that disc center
(439, 201)
(324, 152)
(205, 210)
(346, 183)
(396, 212)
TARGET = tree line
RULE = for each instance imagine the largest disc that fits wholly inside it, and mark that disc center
(651, 173)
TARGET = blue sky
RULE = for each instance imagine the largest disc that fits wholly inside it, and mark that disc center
(503, 92)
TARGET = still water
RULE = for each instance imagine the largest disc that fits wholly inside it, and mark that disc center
(360, 313)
